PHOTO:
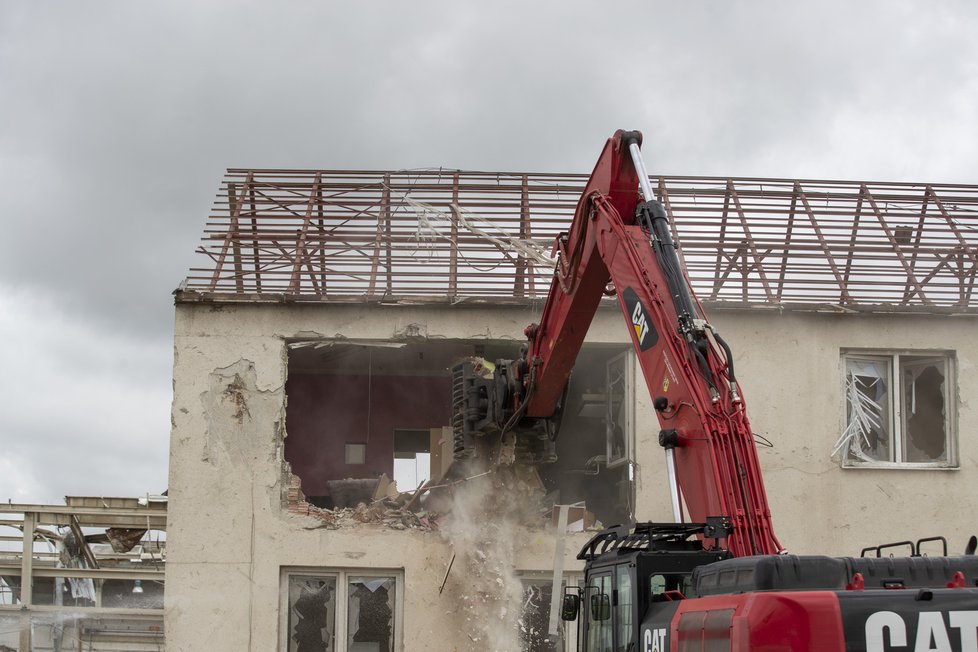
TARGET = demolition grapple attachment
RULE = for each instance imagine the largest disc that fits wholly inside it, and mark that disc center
(487, 418)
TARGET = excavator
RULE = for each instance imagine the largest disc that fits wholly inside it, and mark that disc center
(716, 578)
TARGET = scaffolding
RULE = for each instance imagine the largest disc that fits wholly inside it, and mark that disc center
(376, 235)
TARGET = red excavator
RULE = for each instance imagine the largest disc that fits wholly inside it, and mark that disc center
(716, 578)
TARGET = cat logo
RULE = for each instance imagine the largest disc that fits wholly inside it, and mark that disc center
(887, 630)
(645, 333)
(654, 640)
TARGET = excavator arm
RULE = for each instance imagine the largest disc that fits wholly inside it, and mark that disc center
(623, 240)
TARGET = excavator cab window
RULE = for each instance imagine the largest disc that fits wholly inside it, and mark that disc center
(613, 609)
(600, 632)
(624, 607)
(665, 587)
(600, 607)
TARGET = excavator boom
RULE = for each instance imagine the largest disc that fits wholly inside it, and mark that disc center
(619, 239)
(711, 580)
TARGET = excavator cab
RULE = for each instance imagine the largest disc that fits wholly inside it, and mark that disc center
(635, 575)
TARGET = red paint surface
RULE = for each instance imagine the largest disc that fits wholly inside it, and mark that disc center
(327, 411)
(797, 620)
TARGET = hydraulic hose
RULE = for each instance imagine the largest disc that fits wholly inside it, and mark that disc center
(729, 354)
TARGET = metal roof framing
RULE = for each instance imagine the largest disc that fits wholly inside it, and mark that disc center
(334, 234)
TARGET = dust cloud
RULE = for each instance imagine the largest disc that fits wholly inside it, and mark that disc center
(486, 529)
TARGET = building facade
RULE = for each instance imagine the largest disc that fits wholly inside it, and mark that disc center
(312, 364)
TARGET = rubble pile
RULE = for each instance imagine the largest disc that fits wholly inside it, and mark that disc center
(428, 507)
(393, 509)
(383, 512)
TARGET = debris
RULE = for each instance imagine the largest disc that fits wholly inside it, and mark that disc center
(578, 517)
(377, 502)
(123, 539)
(350, 492)
(447, 571)
(387, 511)
(386, 488)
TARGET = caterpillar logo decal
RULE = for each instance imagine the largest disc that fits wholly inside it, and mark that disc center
(935, 630)
(645, 332)
(654, 640)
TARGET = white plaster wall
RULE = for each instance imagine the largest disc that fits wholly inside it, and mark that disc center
(229, 534)
(790, 368)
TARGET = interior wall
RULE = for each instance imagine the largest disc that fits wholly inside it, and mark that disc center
(326, 411)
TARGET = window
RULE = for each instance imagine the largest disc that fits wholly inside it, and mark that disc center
(619, 405)
(534, 620)
(898, 410)
(346, 611)
(599, 633)
(625, 608)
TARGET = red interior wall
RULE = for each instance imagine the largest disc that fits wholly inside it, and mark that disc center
(327, 411)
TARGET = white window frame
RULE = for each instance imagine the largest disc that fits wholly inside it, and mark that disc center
(342, 576)
(896, 416)
(627, 361)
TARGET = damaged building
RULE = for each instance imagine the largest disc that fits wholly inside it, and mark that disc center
(313, 504)
(86, 575)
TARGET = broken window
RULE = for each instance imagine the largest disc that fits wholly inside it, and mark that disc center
(371, 614)
(534, 622)
(898, 410)
(360, 616)
(311, 620)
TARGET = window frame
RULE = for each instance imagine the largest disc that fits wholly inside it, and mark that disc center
(342, 576)
(627, 361)
(570, 579)
(896, 415)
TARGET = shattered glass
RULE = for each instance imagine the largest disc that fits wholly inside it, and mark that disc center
(371, 614)
(312, 613)
(896, 410)
(534, 622)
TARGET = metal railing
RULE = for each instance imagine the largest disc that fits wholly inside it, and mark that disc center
(346, 233)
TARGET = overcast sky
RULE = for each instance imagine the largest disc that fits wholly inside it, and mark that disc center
(117, 120)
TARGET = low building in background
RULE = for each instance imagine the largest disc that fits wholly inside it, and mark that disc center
(84, 575)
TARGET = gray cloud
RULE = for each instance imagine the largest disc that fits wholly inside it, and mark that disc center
(118, 118)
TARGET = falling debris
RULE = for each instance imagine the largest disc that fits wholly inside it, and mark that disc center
(488, 512)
